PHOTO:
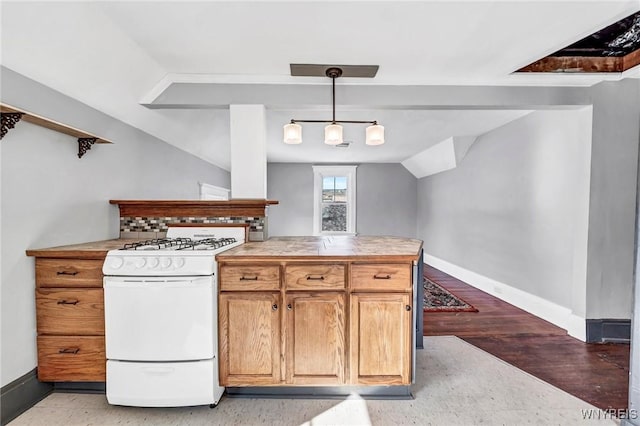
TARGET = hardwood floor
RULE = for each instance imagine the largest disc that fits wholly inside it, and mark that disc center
(596, 373)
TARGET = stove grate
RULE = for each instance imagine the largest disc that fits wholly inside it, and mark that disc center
(180, 243)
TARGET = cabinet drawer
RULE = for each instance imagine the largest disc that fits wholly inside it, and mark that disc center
(239, 278)
(314, 277)
(71, 359)
(381, 276)
(70, 311)
(68, 272)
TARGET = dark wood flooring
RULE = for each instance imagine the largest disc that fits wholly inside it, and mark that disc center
(596, 373)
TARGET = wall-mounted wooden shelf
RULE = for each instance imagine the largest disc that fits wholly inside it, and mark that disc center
(12, 115)
(193, 208)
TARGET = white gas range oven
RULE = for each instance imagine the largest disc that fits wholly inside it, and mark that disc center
(161, 318)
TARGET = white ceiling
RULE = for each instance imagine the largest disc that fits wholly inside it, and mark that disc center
(113, 55)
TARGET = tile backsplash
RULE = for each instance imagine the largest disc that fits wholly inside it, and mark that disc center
(150, 227)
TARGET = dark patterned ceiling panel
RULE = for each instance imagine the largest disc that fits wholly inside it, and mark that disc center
(615, 48)
(618, 39)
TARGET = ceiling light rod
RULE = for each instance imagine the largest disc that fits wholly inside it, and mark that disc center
(333, 132)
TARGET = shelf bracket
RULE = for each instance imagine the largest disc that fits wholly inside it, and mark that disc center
(9, 120)
(84, 145)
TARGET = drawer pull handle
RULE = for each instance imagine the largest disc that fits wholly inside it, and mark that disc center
(382, 277)
(320, 278)
(254, 278)
(407, 308)
(67, 273)
(68, 302)
(274, 307)
(72, 351)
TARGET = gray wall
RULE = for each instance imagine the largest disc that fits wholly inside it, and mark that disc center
(292, 185)
(515, 207)
(386, 199)
(612, 197)
(634, 370)
(50, 197)
(614, 166)
(387, 202)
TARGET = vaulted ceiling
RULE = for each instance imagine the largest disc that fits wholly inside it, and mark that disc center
(172, 68)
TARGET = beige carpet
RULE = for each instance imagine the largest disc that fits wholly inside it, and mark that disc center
(457, 384)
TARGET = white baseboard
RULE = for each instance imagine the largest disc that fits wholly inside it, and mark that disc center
(549, 311)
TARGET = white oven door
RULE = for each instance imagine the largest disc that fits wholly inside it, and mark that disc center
(160, 319)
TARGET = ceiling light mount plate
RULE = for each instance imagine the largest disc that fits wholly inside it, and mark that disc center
(322, 70)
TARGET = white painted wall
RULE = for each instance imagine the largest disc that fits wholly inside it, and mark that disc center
(513, 216)
(435, 159)
(248, 132)
(50, 197)
(386, 199)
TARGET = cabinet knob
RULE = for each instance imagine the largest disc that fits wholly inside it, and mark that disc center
(289, 307)
(407, 308)
(274, 307)
(68, 302)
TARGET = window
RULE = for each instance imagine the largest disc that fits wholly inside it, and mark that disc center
(334, 200)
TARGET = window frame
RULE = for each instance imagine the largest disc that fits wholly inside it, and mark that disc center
(319, 173)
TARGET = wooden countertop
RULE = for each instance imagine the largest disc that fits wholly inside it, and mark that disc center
(309, 248)
(92, 250)
(327, 248)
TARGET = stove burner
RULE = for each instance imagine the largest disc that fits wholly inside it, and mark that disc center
(208, 243)
(179, 244)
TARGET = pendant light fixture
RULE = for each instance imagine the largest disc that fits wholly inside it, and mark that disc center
(333, 132)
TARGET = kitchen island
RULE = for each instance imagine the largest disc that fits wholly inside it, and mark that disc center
(319, 315)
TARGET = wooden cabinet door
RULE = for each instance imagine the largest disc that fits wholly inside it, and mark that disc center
(249, 338)
(380, 336)
(70, 311)
(69, 272)
(249, 278)
(71, 359)
(386, 277)
(314, 276)
(315, 338)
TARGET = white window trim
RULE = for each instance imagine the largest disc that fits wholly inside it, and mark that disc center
(318, 173)
(212, 192)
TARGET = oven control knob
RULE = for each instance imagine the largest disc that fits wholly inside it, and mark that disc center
(116, 262)
(165, 262)
(178, 263)
(154, 262)
(140, 262)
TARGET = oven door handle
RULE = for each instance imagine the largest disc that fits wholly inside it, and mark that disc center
(149, 282)
(158, 370)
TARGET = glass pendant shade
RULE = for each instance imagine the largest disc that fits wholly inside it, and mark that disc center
(333, 134)
(375, 135)
(292, 134)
